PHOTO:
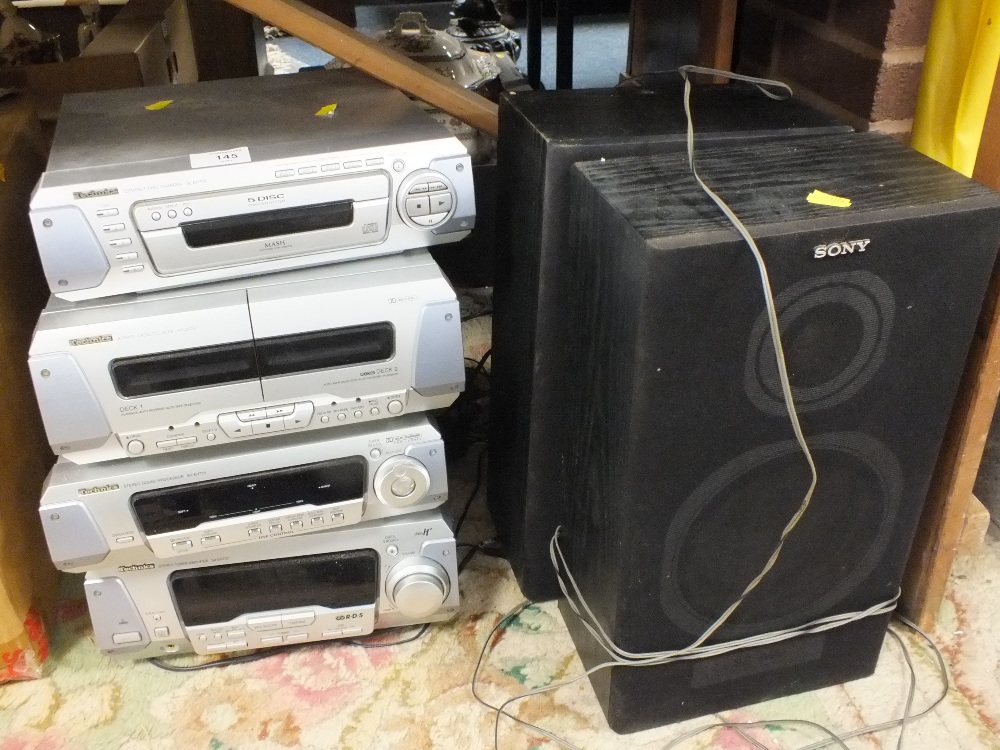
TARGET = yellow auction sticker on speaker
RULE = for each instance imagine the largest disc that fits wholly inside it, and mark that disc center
(826, 199)
(159, 105)
(329, 109)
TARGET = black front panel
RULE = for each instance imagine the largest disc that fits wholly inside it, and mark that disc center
(185, 369)
(321, 484)
(265, 224)
(322, 350)
(221, 593)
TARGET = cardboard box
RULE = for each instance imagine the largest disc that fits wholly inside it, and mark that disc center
(27, 577)
(150, 44)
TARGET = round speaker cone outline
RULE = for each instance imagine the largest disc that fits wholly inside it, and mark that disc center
(862, 293)
(870, 456)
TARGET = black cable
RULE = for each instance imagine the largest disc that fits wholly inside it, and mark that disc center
(416, 636)
(226, 662)
(475, 490)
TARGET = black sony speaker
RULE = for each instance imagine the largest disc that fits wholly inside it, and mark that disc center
(542, 133)
(683, 468)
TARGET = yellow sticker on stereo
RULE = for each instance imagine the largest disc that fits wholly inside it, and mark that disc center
(825, 199)
(159, 105)
(327, 110)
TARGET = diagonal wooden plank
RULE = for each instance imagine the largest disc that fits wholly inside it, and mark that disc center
(379, 61)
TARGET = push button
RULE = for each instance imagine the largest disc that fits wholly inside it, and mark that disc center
(395, 407)
(211, 541)
(188, 212)
(124, 539)
(114, 228)
(375, 411)
(420, 187)
(187, 440)
(358, 413)
(165, 443)
(300, 417)
(233, 427)
(216, 648)
(106, 212)
(182, 546)
(267, 426)
(250, 415)
(237, 634)
(317, 521)
(161, 632)
(254, 532)
(135, 447)
(264, 623)
(330, 167)
(438, 185)
(271, 640)
(352, 164)
(126, 256)
(284, 173)
(441, 203)
(171, 214)
(130, 637)
(429, 221)
(296, 525)
(274, 528)
(308, 170)
(132, 269)
(280, 411)
(298, 620)
(122, 242)
(374, 162)
(296, 637)
(418, 206)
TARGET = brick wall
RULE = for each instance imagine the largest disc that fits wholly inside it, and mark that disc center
(858, 59)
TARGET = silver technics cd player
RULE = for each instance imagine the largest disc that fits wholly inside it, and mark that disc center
(135, 511)
(233, 361)
(338, 584)
(240, 177)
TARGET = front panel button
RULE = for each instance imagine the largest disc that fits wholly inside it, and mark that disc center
(124, 539)
(264, 623)
(187, 440)
(166, 443)
(251, 415)
(130, 637)
(114, 228)
(267, 426)
(211, 541)
(171, 214)
(420, 187)
(274, 528)
(271, 640)
(298, 620)
(418, 206)
(330, 167)
(317, 521)
(182, 546)
(374, 162)
(215, 648)
(358, 413)
(436, 185)
(296, 637)
(123, 242)
(352, 164)
(106, 212)
(375, 411)
(155, 216)
(352, 631)
(132, 269)
(233, 427)
(161, 632)
(441, 203)
(188, 212)
(403, 487)
(308, 170)
(300, 417)
(296, 525)
(135, 447)
(341, 417)
(429, 221)
(284, 173)
(395, 407)
(337, 517)
(254, 532)
(280, 411)
(237, 634)
(236, 645)
(126, 256)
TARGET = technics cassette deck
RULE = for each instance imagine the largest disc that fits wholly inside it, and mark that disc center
(233, 361)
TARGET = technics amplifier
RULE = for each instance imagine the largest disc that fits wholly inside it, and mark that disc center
(232, 361)
(291, 590)
(135, 511)
(162, 187)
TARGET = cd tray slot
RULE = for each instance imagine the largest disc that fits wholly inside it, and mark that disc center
(263, 224)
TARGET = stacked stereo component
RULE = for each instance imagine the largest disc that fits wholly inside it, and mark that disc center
(238, 366)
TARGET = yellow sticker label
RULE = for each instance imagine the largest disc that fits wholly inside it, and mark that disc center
(159, 105)
(825, 199)
(327, 110)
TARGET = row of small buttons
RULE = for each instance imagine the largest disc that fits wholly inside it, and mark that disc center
(171, 214)
(332, 167)
(185, 545)
(218, 636)
(277, 622)
(394, 407)
(261, 421)
(427, 187)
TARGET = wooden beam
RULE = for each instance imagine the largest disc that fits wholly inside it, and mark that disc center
(943, 519)
(379, 61)
(939, 535)
(715, 34)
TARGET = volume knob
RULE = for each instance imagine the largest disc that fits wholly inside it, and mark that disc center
(418, 588)
(401, 482)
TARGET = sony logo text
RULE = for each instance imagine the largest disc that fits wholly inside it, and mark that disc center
(840, 248)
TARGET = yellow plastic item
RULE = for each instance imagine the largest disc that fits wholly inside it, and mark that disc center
(159, 105)
(963, 51)
(828, 199)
